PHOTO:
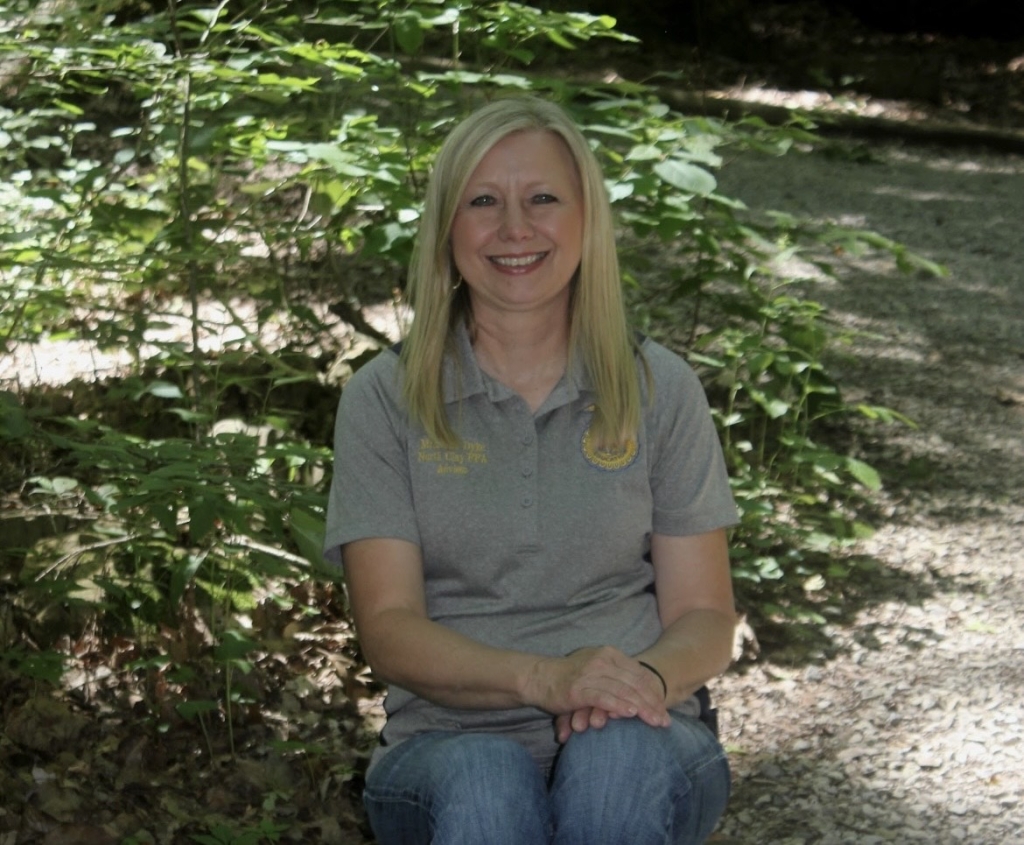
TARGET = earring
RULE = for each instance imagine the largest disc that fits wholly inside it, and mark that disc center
(458, 283)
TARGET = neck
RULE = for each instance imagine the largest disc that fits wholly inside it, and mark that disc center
(529, 356)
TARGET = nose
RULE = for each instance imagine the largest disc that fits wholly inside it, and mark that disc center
(515, 223)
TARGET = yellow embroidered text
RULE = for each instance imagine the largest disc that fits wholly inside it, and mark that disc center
(452, 461)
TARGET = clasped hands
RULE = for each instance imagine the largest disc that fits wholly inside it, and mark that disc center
(588, 687)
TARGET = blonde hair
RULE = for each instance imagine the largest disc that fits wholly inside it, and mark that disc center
(599, 337)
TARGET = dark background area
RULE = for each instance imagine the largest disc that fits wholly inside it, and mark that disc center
(955, 62)
(689, 21)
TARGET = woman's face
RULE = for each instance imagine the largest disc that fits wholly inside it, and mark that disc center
(518, 230)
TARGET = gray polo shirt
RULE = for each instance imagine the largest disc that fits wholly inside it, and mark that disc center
(531, 538)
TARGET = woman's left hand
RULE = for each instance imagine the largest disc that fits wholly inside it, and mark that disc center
(566, 724)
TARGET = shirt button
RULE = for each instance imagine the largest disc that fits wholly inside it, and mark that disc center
(527, 472)
(527, 439)
(526, 501)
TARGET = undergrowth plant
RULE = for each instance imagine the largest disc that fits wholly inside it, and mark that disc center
(204, 185)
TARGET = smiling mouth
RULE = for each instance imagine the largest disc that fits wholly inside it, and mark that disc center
(517, 260)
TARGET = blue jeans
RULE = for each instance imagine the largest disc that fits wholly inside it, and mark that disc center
(626, 784)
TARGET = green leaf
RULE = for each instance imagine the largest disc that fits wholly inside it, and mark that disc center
(307, 531)
(560, 39)
(14, 422)
(618, 190)
(58, 485)
(234, 645)
(69, 107)
(408, 33)
(864, 473)
(760, 362)
(773, 406)
(190, 416)
(645, 152)
(41, 666)
(162, 389)
(182, 575)
(686, 177)
(814, 584)
(202, 516)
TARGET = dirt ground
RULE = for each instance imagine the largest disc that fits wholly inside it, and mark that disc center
(912, 730)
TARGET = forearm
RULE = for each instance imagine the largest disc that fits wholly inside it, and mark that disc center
(444, 666)
(405, 647)
(692, 650)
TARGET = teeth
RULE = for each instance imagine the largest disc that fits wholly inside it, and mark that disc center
(518, 260)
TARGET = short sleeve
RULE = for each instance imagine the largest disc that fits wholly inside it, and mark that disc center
(688, 475)
(370, 493)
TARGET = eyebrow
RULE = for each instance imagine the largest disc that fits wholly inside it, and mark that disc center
(545, 184)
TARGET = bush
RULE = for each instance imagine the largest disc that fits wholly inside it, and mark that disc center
(229, 169)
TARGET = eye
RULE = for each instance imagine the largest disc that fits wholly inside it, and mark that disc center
(544, 199)
(482, 201)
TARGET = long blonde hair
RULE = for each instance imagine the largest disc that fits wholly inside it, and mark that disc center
(599, 337)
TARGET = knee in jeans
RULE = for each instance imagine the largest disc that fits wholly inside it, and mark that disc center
(482, 770)
(633, 783)
(494, 788)
(628, 752)
(623, 743)
(460, 789)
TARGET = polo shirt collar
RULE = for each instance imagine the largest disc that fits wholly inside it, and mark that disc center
(463, 377)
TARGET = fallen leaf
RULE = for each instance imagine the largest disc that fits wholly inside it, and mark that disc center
(330, 831)
(45, 725)
(58, 801)
(1008, 397)
(76, 834)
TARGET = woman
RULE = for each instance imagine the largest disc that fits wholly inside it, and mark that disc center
(530, 507)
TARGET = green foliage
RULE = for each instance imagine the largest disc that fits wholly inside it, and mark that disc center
(221, 834)
(183, 181)
(41, 666)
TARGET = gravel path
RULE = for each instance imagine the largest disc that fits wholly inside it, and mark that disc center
(914, 731)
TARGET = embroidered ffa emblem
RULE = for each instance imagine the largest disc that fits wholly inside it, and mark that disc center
(618, 457)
